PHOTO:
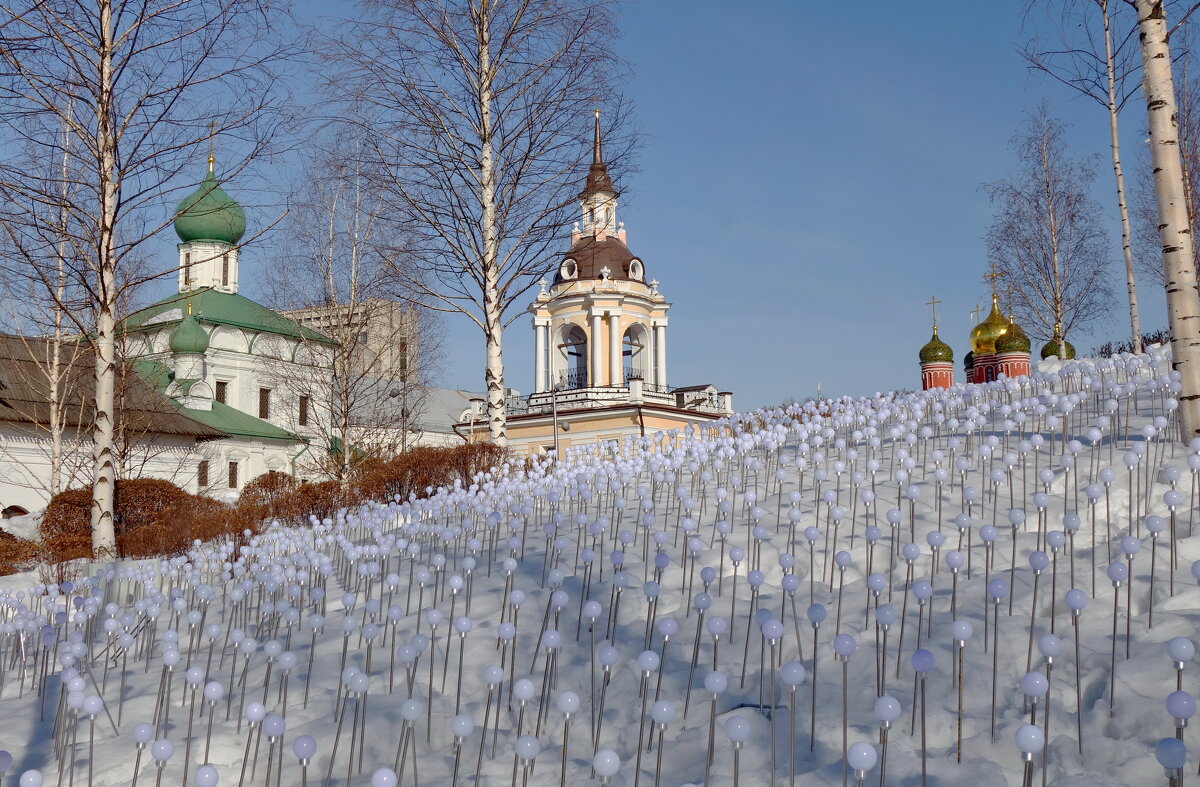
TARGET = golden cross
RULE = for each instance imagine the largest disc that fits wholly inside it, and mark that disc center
(975, 313)
(932, 303)
(992, 277)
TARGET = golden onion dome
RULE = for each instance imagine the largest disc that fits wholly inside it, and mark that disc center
(985, 334)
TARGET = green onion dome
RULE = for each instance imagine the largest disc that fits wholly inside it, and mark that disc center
(1051, 348)
(1013, 340)
(208, 213)
(188, 337)
(936, 350)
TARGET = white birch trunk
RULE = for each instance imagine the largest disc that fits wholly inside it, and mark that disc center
(1135, 325)
(1183, 307)
(493, 328)
(104, 540)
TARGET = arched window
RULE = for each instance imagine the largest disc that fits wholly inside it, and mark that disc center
(635, 352)
(574, 348)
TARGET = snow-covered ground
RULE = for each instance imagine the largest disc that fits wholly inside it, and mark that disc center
(1079, 455)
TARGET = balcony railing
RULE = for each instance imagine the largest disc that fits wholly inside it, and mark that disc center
(576, 378)
(633, 371)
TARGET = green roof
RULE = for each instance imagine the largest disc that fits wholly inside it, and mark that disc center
(189, 338)
(208, 213)
(228, 419)
(214, 307)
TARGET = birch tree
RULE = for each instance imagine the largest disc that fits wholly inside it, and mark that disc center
(338, 276)
(477, 113)
(1101, 65)
(1179, 272)
(141, 86)
(1046, 237)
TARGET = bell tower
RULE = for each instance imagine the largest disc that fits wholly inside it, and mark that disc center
(599, 323)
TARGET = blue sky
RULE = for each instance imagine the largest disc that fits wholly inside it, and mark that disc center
(810, 175)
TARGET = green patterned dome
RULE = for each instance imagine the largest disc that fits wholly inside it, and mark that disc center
(1051, 348)
(936, 351)
(208, 213)
(1013, 340)
(188, 337)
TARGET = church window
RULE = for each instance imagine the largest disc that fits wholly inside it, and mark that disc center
(303, 417)
(264, 403)
(223, 391)
(233, 475)
(569, 269)
(224, 270)
(187, 268)
(202, 474)
(635, 269)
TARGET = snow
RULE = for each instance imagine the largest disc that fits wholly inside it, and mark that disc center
(529, 531)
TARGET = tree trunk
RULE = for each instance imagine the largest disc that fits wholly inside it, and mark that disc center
(493, 327)
(104, 539)
(1183, 307)
(1135, 324)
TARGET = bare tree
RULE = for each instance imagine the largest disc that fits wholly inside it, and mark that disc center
(1101, 64)
(478, 116)
(1178, 257)
(1147, 245)
(337, 279)
(139, 85)
(1046, 236)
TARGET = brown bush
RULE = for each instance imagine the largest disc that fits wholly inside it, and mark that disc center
(17, 554)
(66, 526)
(322, 498)
(423, 468)
(271, 495)
(156, 517)
(147, 502)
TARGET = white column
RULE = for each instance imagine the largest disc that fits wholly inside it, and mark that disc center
(660, 355)
(614, 349)
(539, 358)
(597, 357)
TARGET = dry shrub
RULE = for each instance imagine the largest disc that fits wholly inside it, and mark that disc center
(148, 502)
(322, 499)
(423, 468)
(152, 517)
(156, 517)
(473, 458)
(271, 495)
(17, 554)
(66, 526)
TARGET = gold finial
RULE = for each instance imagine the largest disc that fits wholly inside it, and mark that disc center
(597, 113)
(932, 303)
(212, 134)
(189, 307)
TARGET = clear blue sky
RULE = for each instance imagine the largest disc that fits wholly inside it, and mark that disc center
(810, 176)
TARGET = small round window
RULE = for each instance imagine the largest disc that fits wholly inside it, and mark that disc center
(635, 270)
(569, 269)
